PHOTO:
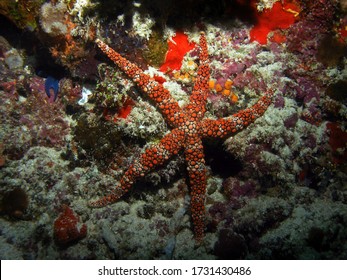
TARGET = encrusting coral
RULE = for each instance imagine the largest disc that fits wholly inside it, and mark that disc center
(188, 129)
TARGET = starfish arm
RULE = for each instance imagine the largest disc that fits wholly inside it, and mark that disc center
(226, 126)
(195, 110)
(152, 157)
(155, 91)
(194, 155)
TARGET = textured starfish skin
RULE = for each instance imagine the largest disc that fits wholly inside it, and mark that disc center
(188, 130)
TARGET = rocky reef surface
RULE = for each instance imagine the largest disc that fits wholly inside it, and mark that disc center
(72, 123)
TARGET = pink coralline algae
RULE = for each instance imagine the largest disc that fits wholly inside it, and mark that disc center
(307, 90)
(279, 101)
(316, 21)
(291, 121)
(235, 189)
(42, 122)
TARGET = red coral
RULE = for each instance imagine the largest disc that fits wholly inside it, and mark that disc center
(178, 47)
(122, 112)
(67, 228)
(125, 110)
(279, 16)
(278, 37)
(159, 79)
(342, 30)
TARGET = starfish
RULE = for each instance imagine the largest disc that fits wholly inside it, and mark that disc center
(189, 127)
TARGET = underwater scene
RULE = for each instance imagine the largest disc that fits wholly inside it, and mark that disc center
(154, 129)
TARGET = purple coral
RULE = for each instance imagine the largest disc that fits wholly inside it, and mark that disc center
(235, 189)
(316, 21)
(279, 101)
(307, 89)
(291, 121)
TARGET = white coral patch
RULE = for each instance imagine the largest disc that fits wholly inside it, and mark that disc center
(142, 25)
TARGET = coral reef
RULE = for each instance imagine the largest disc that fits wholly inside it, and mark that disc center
(276, 190)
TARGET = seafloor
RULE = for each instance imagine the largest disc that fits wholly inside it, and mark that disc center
(71, 124)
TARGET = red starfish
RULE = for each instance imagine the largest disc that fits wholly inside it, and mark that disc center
(188, 129)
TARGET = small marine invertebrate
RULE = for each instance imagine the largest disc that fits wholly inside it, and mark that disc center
(67, 227)
(187, 72)
(52, 87)
(189, 128)
(85, 93)
(225, 90)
